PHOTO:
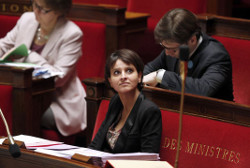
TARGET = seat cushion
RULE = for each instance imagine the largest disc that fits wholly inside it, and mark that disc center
(92, 61)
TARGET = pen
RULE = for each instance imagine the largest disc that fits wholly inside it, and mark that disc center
(41, 72)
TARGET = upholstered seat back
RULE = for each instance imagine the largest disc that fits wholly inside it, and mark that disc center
(93, 57)
(240, 57)
(102, 111)
(158, 8)
(205, 143)
(7, 23)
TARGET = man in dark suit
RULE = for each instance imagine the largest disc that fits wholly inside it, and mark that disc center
(209, 64)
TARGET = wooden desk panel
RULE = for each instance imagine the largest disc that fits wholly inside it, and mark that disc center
(225, 26)
(30, 159)
(30, 98)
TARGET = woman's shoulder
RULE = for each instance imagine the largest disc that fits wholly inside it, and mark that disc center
(148, 110)
(68, 27)
(115, 100)
(27, 17)
(147, 104)
(72, 26)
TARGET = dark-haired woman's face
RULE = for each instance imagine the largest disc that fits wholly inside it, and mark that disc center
(124, 77)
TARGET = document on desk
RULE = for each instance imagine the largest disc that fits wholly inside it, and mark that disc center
(99, 156)
(20, 64)
(137, 164)
(39, 71)
(105, 156)
(33, 143)
(60, 149)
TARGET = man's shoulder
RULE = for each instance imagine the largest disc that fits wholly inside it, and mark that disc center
(211, 45)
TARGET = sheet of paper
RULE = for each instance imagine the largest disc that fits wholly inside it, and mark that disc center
(35, 142)
(53, 153)
(137, 164)
(54, 147)
(87, 152)
(39, 71)
(21, 64)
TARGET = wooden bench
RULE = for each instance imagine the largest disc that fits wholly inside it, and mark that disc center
(215, 132)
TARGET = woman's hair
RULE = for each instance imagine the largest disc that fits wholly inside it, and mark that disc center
(127, 56)
(61, 6)
(177, 25)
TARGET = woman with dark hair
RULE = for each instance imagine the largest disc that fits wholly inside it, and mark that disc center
(54, 43)
(132, 123)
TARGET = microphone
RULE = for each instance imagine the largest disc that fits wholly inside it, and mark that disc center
(183, 56)
(13, 147)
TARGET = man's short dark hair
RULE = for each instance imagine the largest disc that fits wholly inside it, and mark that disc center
(178, 25)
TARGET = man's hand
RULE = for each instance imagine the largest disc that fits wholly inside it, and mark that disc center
(150, 79)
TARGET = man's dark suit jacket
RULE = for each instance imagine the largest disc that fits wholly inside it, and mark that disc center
(209, 71)
(141, 131)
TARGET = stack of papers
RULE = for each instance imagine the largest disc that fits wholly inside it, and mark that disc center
(60, 149)
(137, 164)
(99, 158)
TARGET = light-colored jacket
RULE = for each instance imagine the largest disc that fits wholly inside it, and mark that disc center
(61, 53)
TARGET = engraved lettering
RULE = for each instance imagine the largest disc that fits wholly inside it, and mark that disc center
(237, 158)
(3, 7)
(225, 154)
(211, 152)
(218, 153)
(196, 146)
(201, 149)
(166, 142)
(207, 150)
(214, 152)
(14, 8)
(189, 148)
(231, 156)
(27, 8)
(173, 144)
